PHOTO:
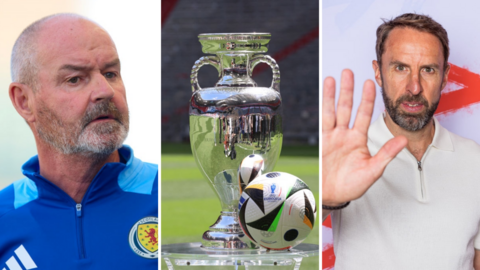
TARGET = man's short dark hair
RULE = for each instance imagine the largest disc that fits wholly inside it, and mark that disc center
(422, 23)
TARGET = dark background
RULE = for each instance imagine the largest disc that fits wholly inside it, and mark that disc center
(294, 27)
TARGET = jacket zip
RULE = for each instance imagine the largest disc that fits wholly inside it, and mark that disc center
(78, 211)
(81, 250)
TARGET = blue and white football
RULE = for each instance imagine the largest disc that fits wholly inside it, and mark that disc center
(277, 210)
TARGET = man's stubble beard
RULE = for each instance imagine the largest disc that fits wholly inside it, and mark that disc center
(407, 121)
(97, 140)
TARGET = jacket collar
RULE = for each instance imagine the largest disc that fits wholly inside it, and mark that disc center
(108, 172)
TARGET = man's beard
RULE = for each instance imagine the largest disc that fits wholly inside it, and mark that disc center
(409, 121)
(99, 140)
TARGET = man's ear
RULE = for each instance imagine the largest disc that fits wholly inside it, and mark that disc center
(21, 96)
(376, 69)
(445, 77)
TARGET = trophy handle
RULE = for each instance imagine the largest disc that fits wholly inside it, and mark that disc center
(272, 63)
(206, 60)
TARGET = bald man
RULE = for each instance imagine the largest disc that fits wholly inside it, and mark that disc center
(86, 202)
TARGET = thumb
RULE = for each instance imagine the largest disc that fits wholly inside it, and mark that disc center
(388, 152)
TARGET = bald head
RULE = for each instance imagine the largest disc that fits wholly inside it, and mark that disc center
(24, 61)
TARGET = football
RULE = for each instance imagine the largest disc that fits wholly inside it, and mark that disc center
(251, 167)
(277, 211)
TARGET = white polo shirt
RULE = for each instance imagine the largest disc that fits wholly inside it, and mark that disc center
(411, 218)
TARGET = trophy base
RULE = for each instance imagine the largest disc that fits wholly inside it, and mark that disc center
(219, 240)
(226, 233)
(186, 255)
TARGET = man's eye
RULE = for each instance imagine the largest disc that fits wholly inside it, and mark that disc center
(110, 75)
(400, 68)
(74, 80)
(429, 70)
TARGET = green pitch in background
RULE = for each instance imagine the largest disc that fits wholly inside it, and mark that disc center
(189, 205)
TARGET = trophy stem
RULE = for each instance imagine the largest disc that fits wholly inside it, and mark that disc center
(225, 233)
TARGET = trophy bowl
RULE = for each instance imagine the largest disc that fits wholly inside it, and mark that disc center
(232, 120)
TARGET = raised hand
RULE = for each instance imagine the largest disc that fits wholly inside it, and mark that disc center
(348, 169)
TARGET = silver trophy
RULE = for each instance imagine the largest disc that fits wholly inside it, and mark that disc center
(232, 120)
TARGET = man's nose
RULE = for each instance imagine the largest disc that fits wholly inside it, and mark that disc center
(414, 85)
(101, 89)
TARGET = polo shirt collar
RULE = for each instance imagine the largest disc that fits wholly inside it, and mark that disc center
(441, 139)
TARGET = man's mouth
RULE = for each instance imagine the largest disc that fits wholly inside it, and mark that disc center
(413, 107)
(102, 113)
(104, 117)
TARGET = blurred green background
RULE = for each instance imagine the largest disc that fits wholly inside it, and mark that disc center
(189, 206)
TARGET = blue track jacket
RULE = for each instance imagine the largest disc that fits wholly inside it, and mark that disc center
(114, 227)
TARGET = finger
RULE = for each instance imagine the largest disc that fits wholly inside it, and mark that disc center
(365, 110)
(345, 99)
(328, 104)
(388, 152)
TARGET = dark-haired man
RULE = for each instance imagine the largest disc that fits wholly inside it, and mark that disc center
(86, 202)
(404, 192)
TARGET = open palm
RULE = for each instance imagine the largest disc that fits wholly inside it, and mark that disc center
(348, 169)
